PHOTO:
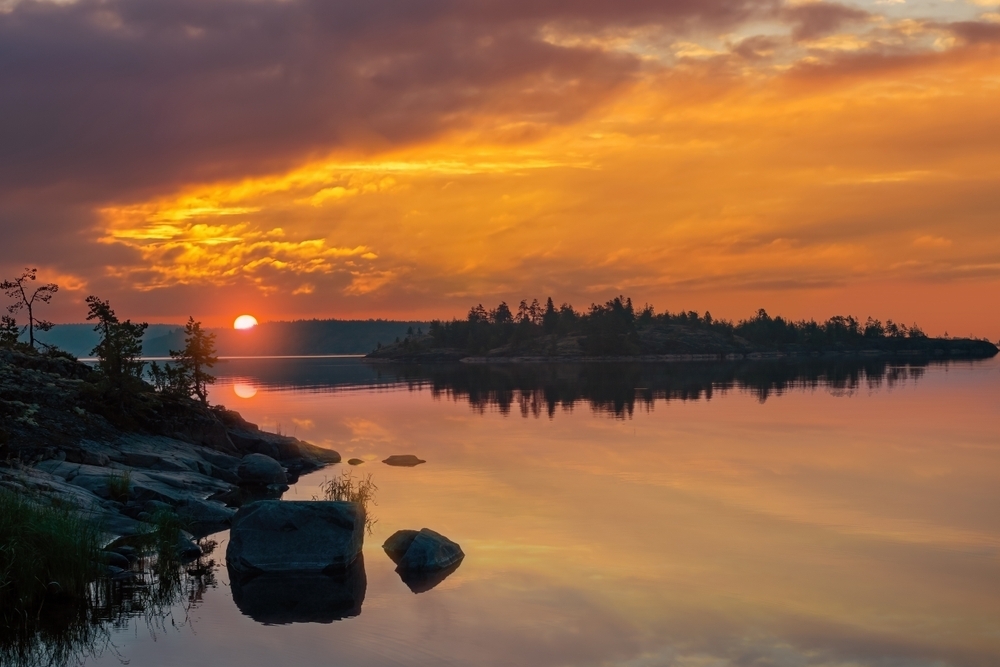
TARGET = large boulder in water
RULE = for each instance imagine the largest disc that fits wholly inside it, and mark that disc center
(295, 536)
(260, 469)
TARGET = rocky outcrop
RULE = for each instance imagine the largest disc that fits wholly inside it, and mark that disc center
(61, 438)
(270, 536)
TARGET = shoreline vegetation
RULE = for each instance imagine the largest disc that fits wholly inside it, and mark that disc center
(112, 475)
(616, 331)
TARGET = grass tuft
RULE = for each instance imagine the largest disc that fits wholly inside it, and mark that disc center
(347, 488)
(44, 549)
(120, 485)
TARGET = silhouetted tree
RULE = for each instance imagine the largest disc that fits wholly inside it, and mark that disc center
(195, 359)
(550, 318)
(18, 290)
(119, 351)
(502, 314)
(9, 331)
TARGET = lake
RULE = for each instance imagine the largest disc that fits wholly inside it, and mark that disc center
(690, 515)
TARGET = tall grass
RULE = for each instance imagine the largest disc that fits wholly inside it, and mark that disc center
(44, 548)
(361, 491)
(119, 485)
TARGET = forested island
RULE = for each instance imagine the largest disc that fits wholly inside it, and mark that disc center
(616, 330)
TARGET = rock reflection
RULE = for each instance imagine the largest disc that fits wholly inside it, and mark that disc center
(421, 582)
(280, 599)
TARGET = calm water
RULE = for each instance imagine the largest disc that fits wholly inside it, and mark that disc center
(687, 515)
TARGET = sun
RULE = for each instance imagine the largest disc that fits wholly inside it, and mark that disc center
(245, 322)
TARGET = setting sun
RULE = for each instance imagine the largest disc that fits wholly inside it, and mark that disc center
(245, 322)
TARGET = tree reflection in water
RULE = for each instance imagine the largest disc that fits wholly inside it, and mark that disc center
(619, 388)
(62, 632)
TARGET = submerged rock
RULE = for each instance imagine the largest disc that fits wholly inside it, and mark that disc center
(278, 599)
(423, 558)
(295, 536)
(260, 469)
(403, 460)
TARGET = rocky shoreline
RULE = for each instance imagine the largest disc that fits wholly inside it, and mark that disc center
(59, 443)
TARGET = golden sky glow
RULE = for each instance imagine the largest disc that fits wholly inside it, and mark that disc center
(809, 158)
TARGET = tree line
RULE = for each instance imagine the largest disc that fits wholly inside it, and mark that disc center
(119, 349)
(613, 328)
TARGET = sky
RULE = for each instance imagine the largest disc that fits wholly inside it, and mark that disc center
(403, 159)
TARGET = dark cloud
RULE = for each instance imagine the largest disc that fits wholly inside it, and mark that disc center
(975, 32)
(113, 96)
(817, 19)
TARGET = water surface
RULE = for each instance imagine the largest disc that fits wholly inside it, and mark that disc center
(615, 515)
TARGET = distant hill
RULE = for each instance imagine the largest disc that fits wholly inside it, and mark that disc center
(80, 339)
(303, 337)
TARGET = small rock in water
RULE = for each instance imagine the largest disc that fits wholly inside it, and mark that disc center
(403, 460)
(423, 558)
(355, 462)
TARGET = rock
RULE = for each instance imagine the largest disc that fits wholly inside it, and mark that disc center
(129, 552)
(422, 551)
(398, 543)
(423, 558)
(260, 469)
(277, 599)
(204, 514)
(355, 462)
(94, 459)
(403, 460)
(187, 549)
(295, 536)
(153, 506)
(116, 559)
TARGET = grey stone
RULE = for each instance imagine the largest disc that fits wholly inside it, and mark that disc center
(403, 460)
(398, 543)
(204, 512)
(154, 506)
(295, 536)
(187, 549)
(260, 469)
(426, 551)
(117, 560)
